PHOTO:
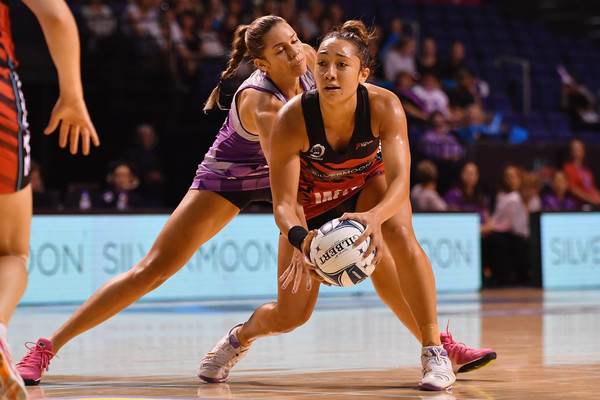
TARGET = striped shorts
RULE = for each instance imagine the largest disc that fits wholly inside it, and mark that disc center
(15, 151)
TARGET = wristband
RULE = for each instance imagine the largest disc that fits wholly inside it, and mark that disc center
(296, 235)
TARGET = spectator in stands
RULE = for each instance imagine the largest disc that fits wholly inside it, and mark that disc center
(122, 182)
(232, 21)
(530, 192)
(287, 10)
(142, 26)
(42, 198)
(377, 77)
(188, 21)
(440, 145)
(171, 31)
(414, 107)
(235, 7)
(309, 22)
(424, 196)
(580, 177)
(467, 195)
(210, 41)
(476, 124)
(505, 244)
(453, 64)
(430, 92)
(395, 33)
(400, 58)
(148, 162)
(465, 93)
(216, 12)
(189, 5)
(579, 102)
(98, 23)
(335, 15)
(558, 198)
(428, 61)
(267, 7)
(438, 142)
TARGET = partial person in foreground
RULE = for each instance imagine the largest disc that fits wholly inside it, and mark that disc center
(70, 112)
(318, 143)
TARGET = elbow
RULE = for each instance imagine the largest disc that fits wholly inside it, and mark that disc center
(56, 17)
(279, 212)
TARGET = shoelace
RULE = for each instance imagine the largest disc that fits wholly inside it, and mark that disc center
(34, 350)
(224, 355)
(436, 356)
(450, 341)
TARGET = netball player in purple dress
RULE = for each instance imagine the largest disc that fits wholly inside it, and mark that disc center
(233, 173)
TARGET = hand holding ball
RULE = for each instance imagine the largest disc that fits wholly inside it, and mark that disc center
(339, 262)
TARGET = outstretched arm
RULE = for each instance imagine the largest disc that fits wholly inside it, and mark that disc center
(70, 111)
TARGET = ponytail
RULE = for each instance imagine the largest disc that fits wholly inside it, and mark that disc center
(239, 50)
(247, 40)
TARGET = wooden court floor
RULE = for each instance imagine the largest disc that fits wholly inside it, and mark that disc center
(352, 348)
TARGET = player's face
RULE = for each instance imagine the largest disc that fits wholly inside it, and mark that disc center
(338, 71)
(284, 54)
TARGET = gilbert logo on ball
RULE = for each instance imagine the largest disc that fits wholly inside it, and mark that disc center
(333, 251)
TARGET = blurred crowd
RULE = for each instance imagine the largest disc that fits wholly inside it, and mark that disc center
(505, 212)
(162, 58)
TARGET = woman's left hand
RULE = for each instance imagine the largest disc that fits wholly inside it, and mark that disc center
(372, 226)
(295, 272)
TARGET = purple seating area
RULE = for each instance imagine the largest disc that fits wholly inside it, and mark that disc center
(487, 34)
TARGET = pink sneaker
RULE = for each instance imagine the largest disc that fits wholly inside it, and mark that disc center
(465, 359)
(11, 384)
(32, 365)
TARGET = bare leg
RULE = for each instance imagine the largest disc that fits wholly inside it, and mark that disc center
(200, 215)
(385, 277)
(387, 285)
(289, 312)
(15, 227)
(414, 271)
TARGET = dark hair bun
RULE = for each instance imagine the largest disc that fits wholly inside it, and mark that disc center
(358, 28)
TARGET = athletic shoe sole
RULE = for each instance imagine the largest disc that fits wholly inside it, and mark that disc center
(212, 380)
(11, 389)
(477, 364)
(428, 386)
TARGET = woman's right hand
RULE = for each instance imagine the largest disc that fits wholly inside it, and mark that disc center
(75, 123)
(301, 266)
(310, 266)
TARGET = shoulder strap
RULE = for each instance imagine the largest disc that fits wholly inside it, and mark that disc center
(312, 116)
(363, 111)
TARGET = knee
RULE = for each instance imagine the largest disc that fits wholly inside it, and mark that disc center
(146, 275)
(401, 240)
(17, 259)
(288, 321)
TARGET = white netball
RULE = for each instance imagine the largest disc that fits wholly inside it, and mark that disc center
(332, 251)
